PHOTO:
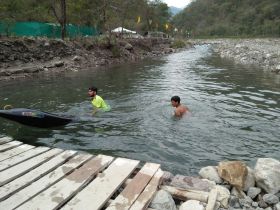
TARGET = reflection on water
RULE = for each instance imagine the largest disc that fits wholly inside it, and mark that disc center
(235, 111)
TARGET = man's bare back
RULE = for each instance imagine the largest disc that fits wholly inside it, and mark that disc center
(180, 108)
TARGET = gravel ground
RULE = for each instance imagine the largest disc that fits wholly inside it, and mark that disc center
(261, 52)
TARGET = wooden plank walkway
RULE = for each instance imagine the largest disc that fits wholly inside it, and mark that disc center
(48, 178)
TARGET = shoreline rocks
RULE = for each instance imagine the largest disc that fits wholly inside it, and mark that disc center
(22, 57)
(236, 187)
(264, 53)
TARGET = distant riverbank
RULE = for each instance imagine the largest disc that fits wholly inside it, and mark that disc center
(22, 57)
(264, 53)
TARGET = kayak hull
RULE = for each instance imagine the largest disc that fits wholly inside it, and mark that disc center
(35, 118)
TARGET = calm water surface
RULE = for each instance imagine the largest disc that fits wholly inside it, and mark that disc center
(235, 111)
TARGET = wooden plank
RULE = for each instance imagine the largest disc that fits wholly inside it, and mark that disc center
(46, 181)
(183, 194)
(17, 170)
(131, 192)
(15, 151)
(4, 140)
(212, 199)
(9, 145)
(19, 183)
(146, 196)
(22, 157)
(100, 190)
(58, 194)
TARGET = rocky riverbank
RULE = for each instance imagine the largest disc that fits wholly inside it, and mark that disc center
(23, 57)
(264, 53)
(231, 185)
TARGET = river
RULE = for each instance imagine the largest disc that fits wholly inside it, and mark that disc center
(235, 111)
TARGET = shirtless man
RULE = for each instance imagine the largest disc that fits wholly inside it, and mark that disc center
(180, 109)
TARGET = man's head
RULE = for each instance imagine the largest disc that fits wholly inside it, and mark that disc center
(175, 101)
(92, 91)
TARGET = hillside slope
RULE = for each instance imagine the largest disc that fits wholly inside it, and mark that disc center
(230, 18)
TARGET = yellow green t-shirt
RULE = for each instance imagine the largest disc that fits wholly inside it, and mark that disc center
(98, 102)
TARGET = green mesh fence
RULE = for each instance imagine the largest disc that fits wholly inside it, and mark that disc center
(44, 29)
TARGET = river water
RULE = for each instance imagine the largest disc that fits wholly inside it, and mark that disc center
(235, 111)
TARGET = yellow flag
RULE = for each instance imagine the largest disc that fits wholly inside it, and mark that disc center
(166, 26)
(139, 19)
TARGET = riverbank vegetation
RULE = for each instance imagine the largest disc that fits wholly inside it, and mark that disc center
(230, 18)
(139, 15)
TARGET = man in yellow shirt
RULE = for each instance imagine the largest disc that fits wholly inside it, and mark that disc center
(97, 101)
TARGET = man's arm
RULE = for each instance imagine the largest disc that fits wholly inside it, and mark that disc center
(177, 113)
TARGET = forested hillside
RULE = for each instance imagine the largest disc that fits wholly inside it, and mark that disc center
(230, 18)
(141, 15)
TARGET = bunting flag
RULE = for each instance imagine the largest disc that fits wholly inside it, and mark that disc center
(138, 19)
(166, 26)
(150, 22)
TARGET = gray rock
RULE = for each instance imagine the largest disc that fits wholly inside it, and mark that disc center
(267, 173)
(128, 46)
(255, 204)
(192, 205)
(211, 173)
(270, 199)
(76, 58)
(237, 193)
(246, 202)
(190, 183)
(253, 192)
(46, 44)
(268, 208)
(167, 177)
(223, 195)
(234, 202)
(58, 63)
(250, 179)
(163, 201)
(262, 204)
(277, 206)
(32, 69)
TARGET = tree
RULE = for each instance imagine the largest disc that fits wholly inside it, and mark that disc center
(60, 15)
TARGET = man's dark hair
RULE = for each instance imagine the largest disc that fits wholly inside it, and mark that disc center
(176, 99)
(92, 88)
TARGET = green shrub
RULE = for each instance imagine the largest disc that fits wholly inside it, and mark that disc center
(116, 51)
(178, 44)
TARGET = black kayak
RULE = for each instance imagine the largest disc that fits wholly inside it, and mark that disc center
(35, 118)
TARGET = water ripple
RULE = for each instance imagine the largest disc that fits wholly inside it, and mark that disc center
(235, 111)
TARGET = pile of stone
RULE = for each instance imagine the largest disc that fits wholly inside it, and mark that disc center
(21, 57)
(231, 185)
(264, 53)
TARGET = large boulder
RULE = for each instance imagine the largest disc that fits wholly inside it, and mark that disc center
(223, 196)
(235, 172)
(250, 179)
(267, 174)
(191, 183)
(163, 201)
(210, 173)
